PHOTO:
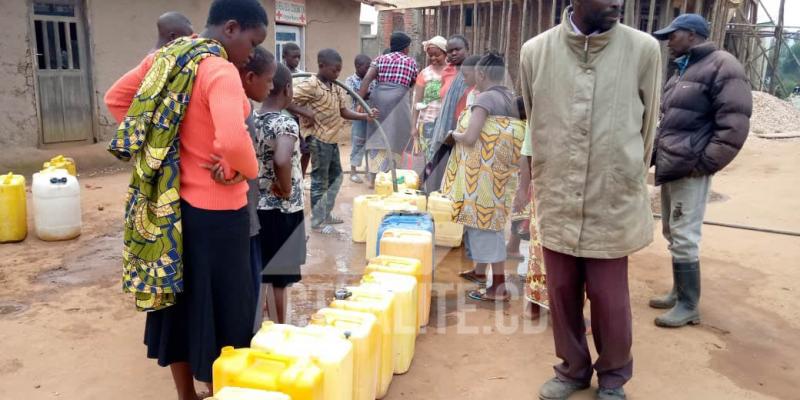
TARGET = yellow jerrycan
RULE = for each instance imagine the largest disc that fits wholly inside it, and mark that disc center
(61, 162)
(448, 232)
(415, 198)
(410, 267)
(13, 208)
(235, 393)
(380, 304)
(329, 350)
(360, 216)
(255, 369)
(376, 210)
(413, 244)
(406, 179)
(406, 328)
(362, 331)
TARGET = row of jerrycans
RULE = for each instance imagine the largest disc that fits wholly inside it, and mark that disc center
(349, 351)
(369, 210)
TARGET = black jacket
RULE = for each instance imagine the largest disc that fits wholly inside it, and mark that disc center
(705, 116)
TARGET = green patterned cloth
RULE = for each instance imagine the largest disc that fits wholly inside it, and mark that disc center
(151, 259)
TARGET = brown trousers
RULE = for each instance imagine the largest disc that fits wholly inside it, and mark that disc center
(606, 284)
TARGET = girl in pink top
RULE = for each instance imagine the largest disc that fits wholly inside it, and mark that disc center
(216, 307)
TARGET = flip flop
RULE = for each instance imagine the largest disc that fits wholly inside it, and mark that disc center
(480, 295)
(356, 179)
(333, 220)
(325, 229)
(472, 277)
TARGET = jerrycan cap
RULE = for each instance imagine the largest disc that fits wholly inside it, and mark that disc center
(342, 294)
(347, 334)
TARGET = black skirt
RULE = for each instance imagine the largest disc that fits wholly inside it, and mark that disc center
(283, 246)
(217, 306)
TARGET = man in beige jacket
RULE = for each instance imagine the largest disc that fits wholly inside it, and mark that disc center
(591, 89)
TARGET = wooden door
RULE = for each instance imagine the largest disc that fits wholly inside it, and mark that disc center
(62, 71)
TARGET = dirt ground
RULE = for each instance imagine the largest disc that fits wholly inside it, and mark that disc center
(67, 331)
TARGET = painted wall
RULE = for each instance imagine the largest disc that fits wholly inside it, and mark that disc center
(122, 36)
(19, 125)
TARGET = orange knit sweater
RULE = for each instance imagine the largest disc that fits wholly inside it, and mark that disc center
(214, 124)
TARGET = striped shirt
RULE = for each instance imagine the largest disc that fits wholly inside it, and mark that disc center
(326, 103)
(396, 68)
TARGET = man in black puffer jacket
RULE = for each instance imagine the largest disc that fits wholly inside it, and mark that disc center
(705, 120)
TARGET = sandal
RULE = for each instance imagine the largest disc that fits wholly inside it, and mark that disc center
(473, 277)
(480, 295)
(331, 220)
(325, 229)
(356, 179)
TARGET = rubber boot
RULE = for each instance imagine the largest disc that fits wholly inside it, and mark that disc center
(668, 300)
(687, 286)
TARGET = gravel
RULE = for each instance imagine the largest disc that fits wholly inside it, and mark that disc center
(773, 115)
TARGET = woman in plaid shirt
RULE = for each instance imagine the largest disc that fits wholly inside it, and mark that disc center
(396, 74)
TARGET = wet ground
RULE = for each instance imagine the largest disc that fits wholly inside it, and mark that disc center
(67, 332)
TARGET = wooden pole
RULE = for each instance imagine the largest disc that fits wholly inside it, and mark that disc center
(491, 25)
(552, 14)
(523, 23)
(502, 32)
(776, 53)
(684, 6)
(424, 24)
(475, 24)
(508, 30)
(630, 13)
(698, 7)
(539, 16)
(651, 15)
(448, 21)
(438, 20)
(461, 18)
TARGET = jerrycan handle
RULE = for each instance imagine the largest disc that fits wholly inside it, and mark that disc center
(7, 178)
(269, 358)
(342, 294)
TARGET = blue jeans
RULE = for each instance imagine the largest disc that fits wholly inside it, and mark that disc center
(326, 179)
(358, 136)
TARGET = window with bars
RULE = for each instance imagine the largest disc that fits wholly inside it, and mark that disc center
(57, 45)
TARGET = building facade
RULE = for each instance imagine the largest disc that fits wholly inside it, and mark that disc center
(58, 57)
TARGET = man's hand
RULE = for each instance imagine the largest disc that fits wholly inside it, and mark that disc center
(374, 113)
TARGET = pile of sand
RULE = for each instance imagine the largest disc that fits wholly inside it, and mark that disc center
(773, 115)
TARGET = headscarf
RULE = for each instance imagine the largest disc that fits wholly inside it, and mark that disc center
(436, 41)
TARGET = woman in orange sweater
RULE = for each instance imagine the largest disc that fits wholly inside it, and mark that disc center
(216, 306)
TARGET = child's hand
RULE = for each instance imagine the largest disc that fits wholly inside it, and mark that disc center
(520, 199)
(449, 139)
(279, 193)
(374, 114)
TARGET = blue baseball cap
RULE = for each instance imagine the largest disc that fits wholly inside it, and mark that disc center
(687, 22)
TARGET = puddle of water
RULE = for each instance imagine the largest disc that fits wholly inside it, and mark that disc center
(95, 261)
(10, 308)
